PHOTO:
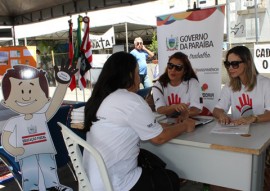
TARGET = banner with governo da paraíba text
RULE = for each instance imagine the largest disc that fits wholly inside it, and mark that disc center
(198, 34)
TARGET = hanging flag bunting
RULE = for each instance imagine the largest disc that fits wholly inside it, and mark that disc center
(72, 84)
(77, 49)
(86, 53)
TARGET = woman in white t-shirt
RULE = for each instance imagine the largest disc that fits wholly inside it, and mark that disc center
(247, 94)
(116, 119)
(180, 89)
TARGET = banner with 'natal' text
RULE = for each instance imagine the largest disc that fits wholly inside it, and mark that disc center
(198, 34)
(107, 40)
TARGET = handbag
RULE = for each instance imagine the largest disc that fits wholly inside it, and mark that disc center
(158, 172)
(148, 160)
(150, 99)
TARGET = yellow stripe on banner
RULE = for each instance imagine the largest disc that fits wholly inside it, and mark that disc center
(179, 16)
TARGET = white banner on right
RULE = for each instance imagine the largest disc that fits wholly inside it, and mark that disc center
(198, 34)
(262, 57)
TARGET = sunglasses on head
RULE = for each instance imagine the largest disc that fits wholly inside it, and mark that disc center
(139, 43)
(176, 66)
(234, 64)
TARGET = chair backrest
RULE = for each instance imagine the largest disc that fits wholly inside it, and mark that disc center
(72, 142)
(63, 116)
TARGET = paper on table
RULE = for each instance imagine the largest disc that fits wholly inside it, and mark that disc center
(159, 117)
(168, 120)
(237, 130)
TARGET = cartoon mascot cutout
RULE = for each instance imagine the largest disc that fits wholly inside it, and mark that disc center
(26, 136)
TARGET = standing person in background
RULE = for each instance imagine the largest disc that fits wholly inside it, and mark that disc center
(181, 93)
(141, 53)
(116, 119)
(247, 94)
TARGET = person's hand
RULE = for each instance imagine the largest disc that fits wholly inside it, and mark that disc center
(65, 73)
(189, 124)
(224, 119)
(183, 116)
(181, 107)
(143, 47)
(244, 120)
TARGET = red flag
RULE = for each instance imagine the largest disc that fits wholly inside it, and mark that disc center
(86, 49)
(72, 84)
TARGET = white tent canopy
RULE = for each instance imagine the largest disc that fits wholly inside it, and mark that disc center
(97, 19)
(142, 14)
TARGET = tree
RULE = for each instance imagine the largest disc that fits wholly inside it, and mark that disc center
(154, 45)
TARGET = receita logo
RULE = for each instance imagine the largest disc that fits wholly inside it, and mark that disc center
(172, 43)
(204, 87)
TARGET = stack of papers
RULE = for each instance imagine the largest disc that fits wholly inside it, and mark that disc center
(77, 117)
(230, 129)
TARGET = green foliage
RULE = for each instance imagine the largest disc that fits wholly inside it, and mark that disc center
(44, 47)
(154, 45)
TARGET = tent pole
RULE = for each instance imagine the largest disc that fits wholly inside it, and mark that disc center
(228, 23)
(13, 36)
(256, 21)
(126, 36)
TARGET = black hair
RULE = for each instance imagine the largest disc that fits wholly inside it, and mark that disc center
(118, 72)
(188, 70)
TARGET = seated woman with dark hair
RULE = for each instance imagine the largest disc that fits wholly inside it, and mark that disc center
(181, 89)
(116, 119)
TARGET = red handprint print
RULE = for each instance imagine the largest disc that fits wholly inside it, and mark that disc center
(174, 99)
(245, 107)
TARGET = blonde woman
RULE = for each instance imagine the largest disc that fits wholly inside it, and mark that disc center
(247, 94)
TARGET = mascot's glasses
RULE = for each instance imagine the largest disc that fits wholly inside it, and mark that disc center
(177, 67)
(234, 64)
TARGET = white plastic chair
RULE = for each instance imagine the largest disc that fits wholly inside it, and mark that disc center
(72, 142)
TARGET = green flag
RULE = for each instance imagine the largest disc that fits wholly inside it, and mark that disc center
(77, 51)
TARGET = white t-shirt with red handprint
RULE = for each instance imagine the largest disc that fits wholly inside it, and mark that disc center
(244, 103)
(186, 92)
